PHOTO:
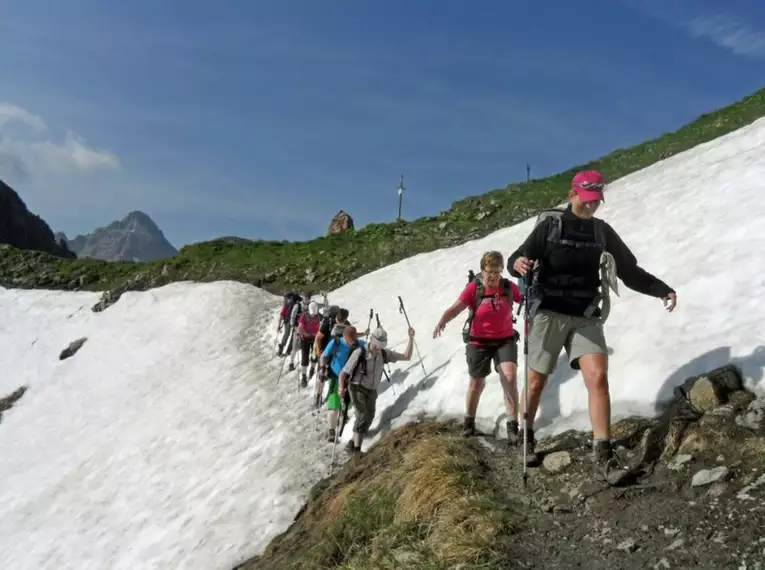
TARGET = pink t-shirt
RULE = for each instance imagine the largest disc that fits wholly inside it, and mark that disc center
(494, 316)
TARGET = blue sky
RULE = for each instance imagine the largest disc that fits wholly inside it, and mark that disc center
(263, 118)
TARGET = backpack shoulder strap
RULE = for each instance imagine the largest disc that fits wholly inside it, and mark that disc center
(361, 363)
(333, 352)
(555, 229)
(507, 289)
(480, 291)
(600, 232)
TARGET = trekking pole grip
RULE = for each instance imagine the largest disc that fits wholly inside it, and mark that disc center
(403, 310)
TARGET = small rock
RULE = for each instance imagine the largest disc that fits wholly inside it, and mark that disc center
(442, 225)
(707, 476)
(557, 462)
(671, 531)
(679, 461)
(754, 416)
(717, 490)
(72, 349)
(704, 395)
(724, 411)
(547, 504)
(628, 545)
(744, 495)
(663, 563)
(676, 544)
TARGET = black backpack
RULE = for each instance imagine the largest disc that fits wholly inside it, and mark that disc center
(289, 301)
(554, 238)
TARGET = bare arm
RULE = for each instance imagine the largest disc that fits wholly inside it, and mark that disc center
(453, 311)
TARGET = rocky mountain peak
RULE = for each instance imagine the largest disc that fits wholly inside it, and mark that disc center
(135, 237)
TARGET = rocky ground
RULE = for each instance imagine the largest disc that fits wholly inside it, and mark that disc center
(693, 495)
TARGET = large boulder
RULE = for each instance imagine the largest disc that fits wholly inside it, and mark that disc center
(342, 222)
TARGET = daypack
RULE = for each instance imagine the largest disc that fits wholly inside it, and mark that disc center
(480, 295)
(310, 324)
(289, 301)
(361, 363)
(333, 352)
(607, 264)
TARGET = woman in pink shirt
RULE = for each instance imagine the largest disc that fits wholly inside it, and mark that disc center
(490, 337)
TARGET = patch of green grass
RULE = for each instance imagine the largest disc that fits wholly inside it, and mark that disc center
(329, 262)
(422, 498)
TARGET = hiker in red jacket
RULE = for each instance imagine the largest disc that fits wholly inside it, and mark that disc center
(489, 337)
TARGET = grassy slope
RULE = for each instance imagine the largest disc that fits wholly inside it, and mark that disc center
(329, 262)
(423, 498)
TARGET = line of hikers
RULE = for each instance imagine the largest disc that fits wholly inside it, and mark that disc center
(354, 367)
(566, 269)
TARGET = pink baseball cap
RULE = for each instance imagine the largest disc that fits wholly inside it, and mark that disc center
(589, 185)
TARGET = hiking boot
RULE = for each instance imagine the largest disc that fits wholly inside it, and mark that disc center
(514, 434)
(292, 366)
(303, 381)
(468, 428)
(532, 457)
(352, 449)
(331, 435)
(607, 467)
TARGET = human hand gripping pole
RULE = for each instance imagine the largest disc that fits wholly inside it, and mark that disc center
(402, 310)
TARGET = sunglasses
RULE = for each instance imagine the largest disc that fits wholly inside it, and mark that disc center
(597, 186)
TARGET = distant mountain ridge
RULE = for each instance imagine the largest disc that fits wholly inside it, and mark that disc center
(133, 238)
(24, 230)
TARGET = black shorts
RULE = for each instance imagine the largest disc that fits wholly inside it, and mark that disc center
(479, 357)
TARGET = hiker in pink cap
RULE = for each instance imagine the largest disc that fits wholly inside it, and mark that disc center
(569, 262)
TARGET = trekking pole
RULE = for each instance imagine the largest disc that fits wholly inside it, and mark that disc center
(402, 310)
(526, 303)
(278, 330)
(369, 323)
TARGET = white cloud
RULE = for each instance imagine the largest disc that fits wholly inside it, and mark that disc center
(11, 113)
(23, 155)
(729, 34)
(73, 155)
(721, 29)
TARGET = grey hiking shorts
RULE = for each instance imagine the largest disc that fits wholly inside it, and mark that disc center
(550, 332)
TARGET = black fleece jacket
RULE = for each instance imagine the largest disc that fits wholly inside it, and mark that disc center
(564, 267)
